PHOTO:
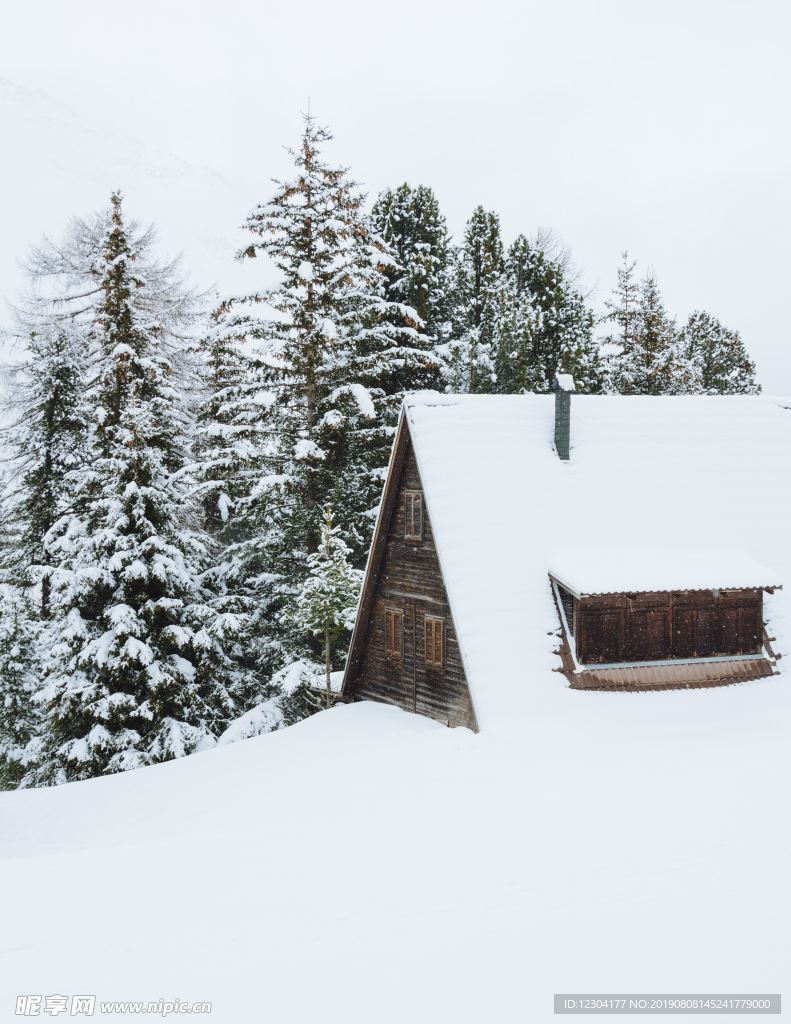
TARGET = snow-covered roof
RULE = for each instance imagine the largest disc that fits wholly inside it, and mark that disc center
(618, 570)
(660, 476)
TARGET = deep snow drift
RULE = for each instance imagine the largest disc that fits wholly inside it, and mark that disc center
(371, 866)
(368, 865)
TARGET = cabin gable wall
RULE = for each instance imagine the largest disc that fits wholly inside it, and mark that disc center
(408, 578)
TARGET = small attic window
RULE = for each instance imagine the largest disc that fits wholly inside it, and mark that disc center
(413, 515)
(435, 641)
(394, 634)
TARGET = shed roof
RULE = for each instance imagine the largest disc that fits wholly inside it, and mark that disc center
(619, 570)
(657, 476)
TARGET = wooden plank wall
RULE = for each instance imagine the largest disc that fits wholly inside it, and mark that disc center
(410, 578)
(652, 627)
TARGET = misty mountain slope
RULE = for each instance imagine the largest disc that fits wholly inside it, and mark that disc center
(59, 166)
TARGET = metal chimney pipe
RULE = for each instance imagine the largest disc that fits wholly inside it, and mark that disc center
(563, 386)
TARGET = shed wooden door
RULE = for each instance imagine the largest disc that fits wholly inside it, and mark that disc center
(742, 624)
(601, 636)
(647, 631)
(696, 632)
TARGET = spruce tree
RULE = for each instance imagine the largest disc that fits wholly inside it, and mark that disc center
(230, 437)
(575, 350)
(137, 669)
(327, 374)
(410, 222)
(647, 362)
(48, 439)
(551, 327)
(18, 718)
(470, 356)
(622, 313)
(327, 599)
(516, 368)
(226, 438)
(714, 359)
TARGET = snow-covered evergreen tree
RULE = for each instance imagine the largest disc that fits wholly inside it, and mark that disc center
(47, 441)
(327, 599)
(330, 357)
(550, 328)
(18, 719)
(714, 359)
(470, 356)
(136, 668)
(647, 360)
(516, 368)
(227, 438)
(230, 438)
(622, 313)
(410, 222)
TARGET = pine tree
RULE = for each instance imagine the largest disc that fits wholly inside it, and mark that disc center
(550, 327)
(470, 356)
(18, 719)
(327, 376)
(410, 222)
(48, 441)
(622, 311)
(647, 363)
(137, 670)
(714, 359)
(226, 440)
(48, 434)
(576, 352)
(516, 368)
(327, 599)
(229, 440)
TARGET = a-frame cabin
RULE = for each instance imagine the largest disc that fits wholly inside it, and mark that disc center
(623, 534)
(405, 647)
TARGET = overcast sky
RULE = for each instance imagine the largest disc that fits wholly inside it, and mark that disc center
(662, 128)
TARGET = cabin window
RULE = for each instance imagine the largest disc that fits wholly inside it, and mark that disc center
(413, 515)
(664, 626)
(394, 634)
(435, 641)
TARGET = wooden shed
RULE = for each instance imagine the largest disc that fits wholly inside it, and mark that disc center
(650, 639)
(606, 532)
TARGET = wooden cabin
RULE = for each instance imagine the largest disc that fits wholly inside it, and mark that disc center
(405, 650)
(508, 541)
(663, 639)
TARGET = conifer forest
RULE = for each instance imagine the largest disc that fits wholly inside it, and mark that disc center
(191, 480)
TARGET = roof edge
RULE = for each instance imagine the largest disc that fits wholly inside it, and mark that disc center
(406, 409)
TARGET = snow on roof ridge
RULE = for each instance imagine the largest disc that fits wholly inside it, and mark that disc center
(424, 398)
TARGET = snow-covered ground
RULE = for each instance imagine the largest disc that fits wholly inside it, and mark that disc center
(369, 865)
